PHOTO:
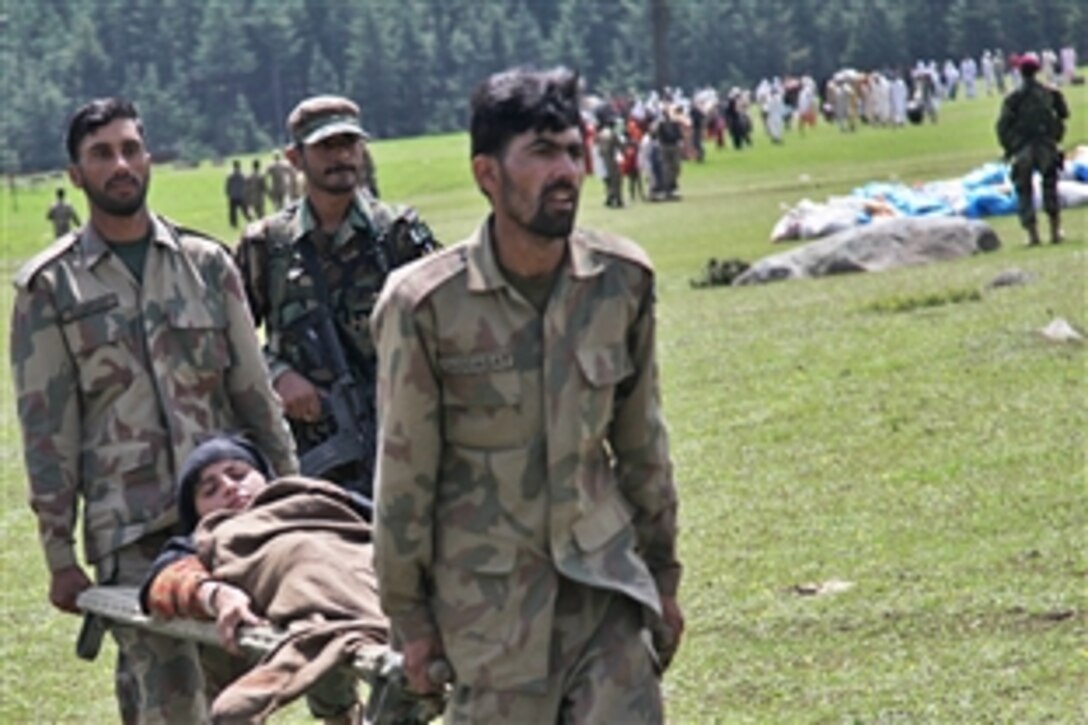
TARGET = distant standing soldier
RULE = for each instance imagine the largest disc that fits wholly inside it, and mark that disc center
(236, 194)
(130, 340)
(327, 254)
(296, 185)
(256, 190)
(279, 181)
(1031, 125)
(62, 215)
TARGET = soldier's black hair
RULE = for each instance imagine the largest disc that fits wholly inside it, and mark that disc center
(522, 99)
(93, 116)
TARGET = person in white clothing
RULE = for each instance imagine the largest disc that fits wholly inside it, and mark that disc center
(988, 78)
(898, 93)
(1069, 65)
(969, 73)
(776, 115)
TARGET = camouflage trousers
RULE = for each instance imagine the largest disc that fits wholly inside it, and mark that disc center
(158, 679)
(1039, 157)
(601, 669)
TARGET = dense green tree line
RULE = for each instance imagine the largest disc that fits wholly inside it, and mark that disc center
(217, 77)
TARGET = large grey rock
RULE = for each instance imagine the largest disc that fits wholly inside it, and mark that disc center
(884, 244)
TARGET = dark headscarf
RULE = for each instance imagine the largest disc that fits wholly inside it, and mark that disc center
(221, 447)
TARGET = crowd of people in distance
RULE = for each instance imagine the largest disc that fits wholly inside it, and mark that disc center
(642, 139)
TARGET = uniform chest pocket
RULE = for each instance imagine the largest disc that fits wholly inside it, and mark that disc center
(196, 342)
(101, 336)
(483, 410)
(603, 368)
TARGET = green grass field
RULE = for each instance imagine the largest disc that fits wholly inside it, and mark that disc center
(851, 428)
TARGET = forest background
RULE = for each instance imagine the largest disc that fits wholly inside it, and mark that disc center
(218, 78)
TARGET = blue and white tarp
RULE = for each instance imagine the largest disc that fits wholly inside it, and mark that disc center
(983, 192)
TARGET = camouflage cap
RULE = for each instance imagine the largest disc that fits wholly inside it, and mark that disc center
(320, 117)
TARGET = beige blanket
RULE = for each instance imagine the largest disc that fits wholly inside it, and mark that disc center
(303, 552)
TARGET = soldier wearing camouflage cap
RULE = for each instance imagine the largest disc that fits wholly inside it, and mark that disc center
(130, 339)
(326, 254)
(526, 510)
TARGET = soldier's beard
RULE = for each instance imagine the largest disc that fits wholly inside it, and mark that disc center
(123, 207)
(544, 223)
(335, 180)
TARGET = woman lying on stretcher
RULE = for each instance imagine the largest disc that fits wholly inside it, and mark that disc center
(294, 553)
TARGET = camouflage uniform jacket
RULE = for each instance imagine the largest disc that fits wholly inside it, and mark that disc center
(516, 449)
(372, 239)
(1034, 114)
(115, 382)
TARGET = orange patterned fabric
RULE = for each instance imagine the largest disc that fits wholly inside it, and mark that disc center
(173, 593)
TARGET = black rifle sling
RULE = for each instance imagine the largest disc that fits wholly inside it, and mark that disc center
(321, 289)
(331, 450)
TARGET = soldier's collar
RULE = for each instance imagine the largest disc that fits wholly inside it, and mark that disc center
(357, 217)
(583, 262)
(485, 273)
(94, 246)
(162, 233)
(483, 269)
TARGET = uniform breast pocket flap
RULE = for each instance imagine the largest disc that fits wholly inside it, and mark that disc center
(199, 337)
(483, 410)
(92, 323)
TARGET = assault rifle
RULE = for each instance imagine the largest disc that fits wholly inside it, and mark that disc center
(351, 407)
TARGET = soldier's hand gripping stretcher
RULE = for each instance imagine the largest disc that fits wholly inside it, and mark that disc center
(391, 700)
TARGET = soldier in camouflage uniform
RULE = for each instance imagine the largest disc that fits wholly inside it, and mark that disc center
(350, 242)
(62, 215)
(256, 189)
(279, 173)
(1031, 124)
(130, 340)
(526, 511)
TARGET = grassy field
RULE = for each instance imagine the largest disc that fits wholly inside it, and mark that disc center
(928, 457)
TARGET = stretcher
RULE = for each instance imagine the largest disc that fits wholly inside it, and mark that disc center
(389, 700)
